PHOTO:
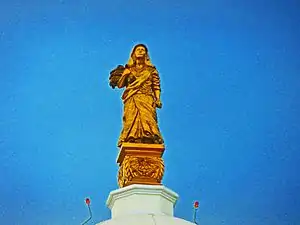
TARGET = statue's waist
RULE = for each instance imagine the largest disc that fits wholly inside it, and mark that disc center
(147, 91)
(127, 95)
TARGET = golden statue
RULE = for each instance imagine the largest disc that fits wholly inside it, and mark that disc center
(141, 98)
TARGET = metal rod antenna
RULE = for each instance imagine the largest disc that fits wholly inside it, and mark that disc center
(195, 213)
(196, 206)
(90, 212)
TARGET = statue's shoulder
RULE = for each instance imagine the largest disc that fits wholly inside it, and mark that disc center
(152, 68)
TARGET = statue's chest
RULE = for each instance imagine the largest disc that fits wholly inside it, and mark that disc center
(141, 73)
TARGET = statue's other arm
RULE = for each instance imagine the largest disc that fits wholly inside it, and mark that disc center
(156, 88)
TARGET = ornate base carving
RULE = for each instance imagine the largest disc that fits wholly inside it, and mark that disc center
(140, 164)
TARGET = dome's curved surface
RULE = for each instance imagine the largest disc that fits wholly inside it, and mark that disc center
(146, 219)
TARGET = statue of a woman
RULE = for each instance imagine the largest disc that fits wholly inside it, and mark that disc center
(141, 98)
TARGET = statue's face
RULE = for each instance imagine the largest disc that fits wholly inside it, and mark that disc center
(140, 52)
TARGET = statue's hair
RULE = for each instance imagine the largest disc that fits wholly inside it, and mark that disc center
(132, 58)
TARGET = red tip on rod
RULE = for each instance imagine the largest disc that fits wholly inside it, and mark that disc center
(87, 201)
(196, 204)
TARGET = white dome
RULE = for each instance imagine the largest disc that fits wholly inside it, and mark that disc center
(146, 219)
(143, 204)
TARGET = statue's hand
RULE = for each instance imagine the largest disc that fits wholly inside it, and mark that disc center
(130, 79)
(158, 103)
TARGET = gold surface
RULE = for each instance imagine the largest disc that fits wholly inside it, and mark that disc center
(141, 98)
(140, 164)
(134, 149)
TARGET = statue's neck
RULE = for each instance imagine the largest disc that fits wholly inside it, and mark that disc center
(140, 63)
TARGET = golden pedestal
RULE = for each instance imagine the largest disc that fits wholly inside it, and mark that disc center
(140, 164)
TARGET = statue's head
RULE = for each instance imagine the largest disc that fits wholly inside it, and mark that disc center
(139, 51)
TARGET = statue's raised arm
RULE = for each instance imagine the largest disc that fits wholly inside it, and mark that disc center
(141, 98)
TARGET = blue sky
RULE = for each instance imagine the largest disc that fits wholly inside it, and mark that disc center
(230, 118)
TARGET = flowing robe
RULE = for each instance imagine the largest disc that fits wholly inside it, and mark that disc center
(140, 118)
